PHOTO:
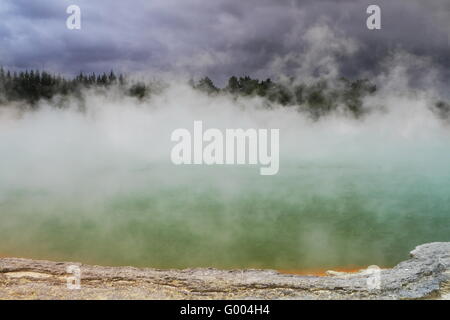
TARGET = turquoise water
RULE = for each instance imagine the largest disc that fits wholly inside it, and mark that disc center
(100, 188)
(305, 217)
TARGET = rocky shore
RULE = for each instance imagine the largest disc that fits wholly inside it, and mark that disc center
(426, 275)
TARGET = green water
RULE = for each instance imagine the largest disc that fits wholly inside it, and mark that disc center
(101, 189)
(307, 216)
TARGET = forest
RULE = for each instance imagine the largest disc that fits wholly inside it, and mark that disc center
(316, 99)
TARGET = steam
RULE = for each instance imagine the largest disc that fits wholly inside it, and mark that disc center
(323, 48)
(98, 186)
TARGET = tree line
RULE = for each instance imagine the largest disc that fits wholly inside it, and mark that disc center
(316, 99)
(34, 85)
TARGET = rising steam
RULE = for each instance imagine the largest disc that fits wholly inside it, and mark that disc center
(98, 185)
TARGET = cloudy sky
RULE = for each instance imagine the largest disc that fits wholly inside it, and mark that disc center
(221, 37)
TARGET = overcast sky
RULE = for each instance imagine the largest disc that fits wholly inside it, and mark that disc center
(221, 37)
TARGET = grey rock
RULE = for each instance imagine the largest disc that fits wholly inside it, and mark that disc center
(426, 275)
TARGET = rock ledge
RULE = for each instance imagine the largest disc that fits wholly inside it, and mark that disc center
(426, 275)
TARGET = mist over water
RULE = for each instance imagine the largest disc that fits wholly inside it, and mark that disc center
(99, 187)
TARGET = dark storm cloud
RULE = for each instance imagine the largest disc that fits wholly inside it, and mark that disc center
(218, 38)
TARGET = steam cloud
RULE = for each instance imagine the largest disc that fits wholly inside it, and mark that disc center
(98, 186)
